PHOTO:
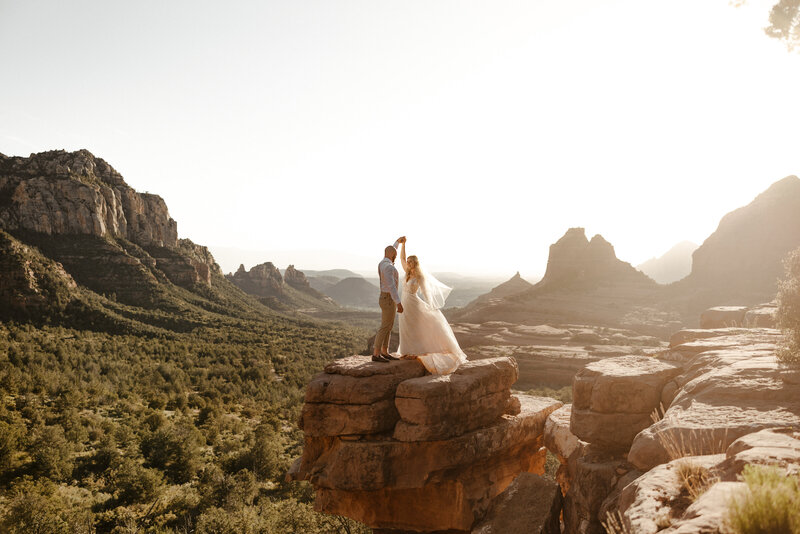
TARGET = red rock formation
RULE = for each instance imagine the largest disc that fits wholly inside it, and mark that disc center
(61, 192)
(263, 280)
(431, 478)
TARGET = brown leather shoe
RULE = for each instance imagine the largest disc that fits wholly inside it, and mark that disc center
(379, 358)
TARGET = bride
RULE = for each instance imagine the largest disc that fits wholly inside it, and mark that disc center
(424, 332)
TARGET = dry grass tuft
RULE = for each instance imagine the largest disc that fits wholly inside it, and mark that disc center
(679, 445)
(658, 413)
(695, 479)
(614, 524)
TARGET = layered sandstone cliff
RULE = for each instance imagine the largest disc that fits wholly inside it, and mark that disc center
(76, 211)
(397, 449)
(61, 192)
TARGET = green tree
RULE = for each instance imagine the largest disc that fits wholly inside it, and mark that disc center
(52, 453)
(36, 508)
(134, 483)
(265, 455)
(9, 442)
(175, 449)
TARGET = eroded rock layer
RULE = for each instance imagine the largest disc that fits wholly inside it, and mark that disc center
(472, 439)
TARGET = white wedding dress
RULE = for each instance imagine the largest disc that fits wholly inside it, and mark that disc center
(424, 331)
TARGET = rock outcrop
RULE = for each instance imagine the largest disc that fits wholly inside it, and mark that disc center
(397, 449)
(731, 386)
(262, 280)
(538, 497)
(659, 500)
(61, 192)
(31, 284)
(288, 291)
(614, 399)
(723, 401)
(296, 278)
(585, 283)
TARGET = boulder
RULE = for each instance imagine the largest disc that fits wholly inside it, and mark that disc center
(558, 438)
(777, 446)
(338, 387)
(763, 316)
(530, 505)
(613, 399)
(595, 475)
(723, 317)
(319, 419)
(355, 396)
(648, 504)
(441, 406)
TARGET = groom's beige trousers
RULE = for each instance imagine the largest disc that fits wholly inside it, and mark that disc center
(388, 310)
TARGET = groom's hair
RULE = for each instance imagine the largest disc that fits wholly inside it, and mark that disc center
(390, 251)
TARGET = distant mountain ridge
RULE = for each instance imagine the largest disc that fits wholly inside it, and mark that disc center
(747, 249)
(739, 263)
(672, 266)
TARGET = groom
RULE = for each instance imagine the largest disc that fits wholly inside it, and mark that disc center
(389, 301)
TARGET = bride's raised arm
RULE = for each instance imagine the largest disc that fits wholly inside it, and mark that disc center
(403, 255)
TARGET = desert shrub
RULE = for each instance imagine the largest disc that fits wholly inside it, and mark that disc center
(769, 505)
(9, 442)
(551, 465)
(789, 309)
(175, 449)
(133, 482)
(264, 457)
(52, 453)
(37, 508)
(563, 394)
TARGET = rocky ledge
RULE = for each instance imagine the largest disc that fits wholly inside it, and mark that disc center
(718, 398)
(400, 450)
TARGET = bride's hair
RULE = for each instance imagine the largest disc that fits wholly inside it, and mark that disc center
(413, 267)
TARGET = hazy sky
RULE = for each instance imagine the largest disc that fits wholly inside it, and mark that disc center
(482, 130)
